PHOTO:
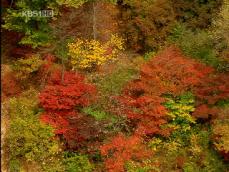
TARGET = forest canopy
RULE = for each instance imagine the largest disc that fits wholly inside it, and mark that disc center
(115, 85)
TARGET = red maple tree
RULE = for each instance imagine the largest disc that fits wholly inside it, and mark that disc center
(168, 73)
(122, 149)
(62, 98)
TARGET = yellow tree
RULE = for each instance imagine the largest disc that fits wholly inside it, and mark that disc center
(87, 54)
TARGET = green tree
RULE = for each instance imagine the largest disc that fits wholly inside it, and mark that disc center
(30, 141)
(202, 46)
(35, 28)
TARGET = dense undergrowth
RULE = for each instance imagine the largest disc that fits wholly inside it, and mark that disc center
(141, 87)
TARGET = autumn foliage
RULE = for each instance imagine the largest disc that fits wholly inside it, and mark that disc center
(10, 85)
(168, 73)
(115, 85)
(62, 98)
(86, 54)
(214, 88)
(122, 149)
(209, 92)
(146, 24)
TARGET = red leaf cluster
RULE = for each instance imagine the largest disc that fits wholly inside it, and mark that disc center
(121, 149)
(46, 69)
(214, 88)
(204, 111)
(211, 90)
(49, 60)
(168, 73)
(10, 86)
(61, 100)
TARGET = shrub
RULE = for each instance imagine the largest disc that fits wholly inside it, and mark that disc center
(35, 29)
(220, 134)
(87, 54)
(149, 55)
(61, 50)
(112, 83)
(62, 99)
(146, 24)
(71, 3)
(10, 86)
(213, 88)
(143, 98)
(144, 166)
(197, 13)
(97, 114)
(187, 153)
(37, 38)
(180, 109)
(221, 140)
(29, 140)
(201, 47)
(24, 68)
(122, 149)
(77, 163)
(220, 29)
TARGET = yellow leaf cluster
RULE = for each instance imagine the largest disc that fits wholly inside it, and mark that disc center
(116, 42)
(86, 54)
(220, 130)
(25, 67)
(195, 147)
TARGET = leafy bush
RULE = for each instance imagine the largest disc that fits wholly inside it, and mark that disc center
(220, 29)
(37, 38)
(97, 114)
(28, 139)
(71, 3)
(221, 136)
(201, 47)
(180, 109)
(61, 50)
(146, 24)
(143, 98)
(112, 83)
(214, 88)
(190, 153)
(196, 13)
(221, 22)
(24, 68)
(62, 100)
(149, 55)
(122, 149)
(35, 29)
(10, 86)
(179, 112)
(14, 165)
(87, 54)
(77, 163)
(145, 166)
